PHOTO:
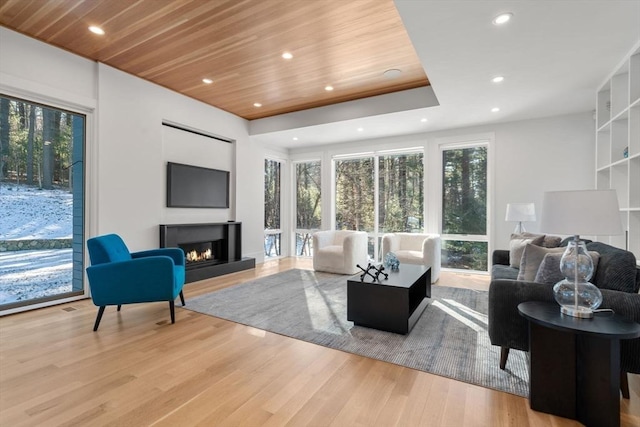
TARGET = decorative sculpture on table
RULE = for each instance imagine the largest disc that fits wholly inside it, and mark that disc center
(391, 261)
(367, 272)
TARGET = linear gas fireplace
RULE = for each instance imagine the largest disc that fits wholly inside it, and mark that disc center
(210, 249)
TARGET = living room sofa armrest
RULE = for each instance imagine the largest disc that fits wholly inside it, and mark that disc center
(507, 328)
(500, 256)
(176, 254)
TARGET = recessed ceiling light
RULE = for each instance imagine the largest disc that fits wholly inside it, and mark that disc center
(502, 19)
(287, 55)
(392, 73)
(495, 109)
(295, 138)
(360, 129)
(207, 81)
(497, 79)
(328, 88)
(423, 120)
(96, 30)
(257, 104)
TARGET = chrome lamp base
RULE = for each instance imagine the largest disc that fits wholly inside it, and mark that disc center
(580, 312)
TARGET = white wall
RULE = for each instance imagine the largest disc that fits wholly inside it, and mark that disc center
(127, 148)
(528, 158)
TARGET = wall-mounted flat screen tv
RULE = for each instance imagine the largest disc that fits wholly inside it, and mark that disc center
(196, 187)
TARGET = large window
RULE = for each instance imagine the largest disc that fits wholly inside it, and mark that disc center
(464, 208)
(41, 203)
(308, 205)
(380, 193)
(272, 211)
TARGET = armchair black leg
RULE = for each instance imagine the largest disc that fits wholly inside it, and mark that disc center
(98, 318)
(182, 298)
(119, 307)
(504, 355)
(172, 306)
(624, 384)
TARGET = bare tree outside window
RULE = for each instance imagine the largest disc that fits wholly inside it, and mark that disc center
(272, 193)
(308, 205)
(399, 183)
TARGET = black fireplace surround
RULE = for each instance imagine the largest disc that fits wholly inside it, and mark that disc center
(211, 249)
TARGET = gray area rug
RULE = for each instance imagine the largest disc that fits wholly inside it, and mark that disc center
(450, 339)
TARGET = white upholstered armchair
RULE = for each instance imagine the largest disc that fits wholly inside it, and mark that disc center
(339, 251)
(414, 248)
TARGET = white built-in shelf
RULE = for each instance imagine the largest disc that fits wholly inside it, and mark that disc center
(617, 130)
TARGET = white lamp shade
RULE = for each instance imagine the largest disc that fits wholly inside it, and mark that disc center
(521, 212)
(582, 212)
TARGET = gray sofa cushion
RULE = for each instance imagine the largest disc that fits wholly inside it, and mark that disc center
(616, 269)
(499, 271)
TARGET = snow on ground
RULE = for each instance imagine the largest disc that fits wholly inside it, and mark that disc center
(30, 213)
(34, 274)
(27, 212)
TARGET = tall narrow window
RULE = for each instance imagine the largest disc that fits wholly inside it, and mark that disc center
(41, 203)
(464, 208)
(308, 205)
(272, 211)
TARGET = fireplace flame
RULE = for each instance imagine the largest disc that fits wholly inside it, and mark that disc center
(194, 255)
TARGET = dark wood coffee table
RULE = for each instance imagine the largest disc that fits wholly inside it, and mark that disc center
(392, 305)
(575, 363)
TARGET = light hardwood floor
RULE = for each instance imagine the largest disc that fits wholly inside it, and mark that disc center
(139, 370)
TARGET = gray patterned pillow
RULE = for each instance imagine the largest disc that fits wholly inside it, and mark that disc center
(549, 270)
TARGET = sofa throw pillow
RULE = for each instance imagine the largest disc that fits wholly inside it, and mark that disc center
(532, 257)
(516, 247)
(551, 241)
(549, 270)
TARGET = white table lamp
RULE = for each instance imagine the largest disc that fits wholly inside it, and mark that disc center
(590, 212)
(520, 212)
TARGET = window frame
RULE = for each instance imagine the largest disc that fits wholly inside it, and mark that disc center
(462, 142)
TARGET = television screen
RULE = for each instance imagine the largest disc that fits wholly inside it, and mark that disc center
(196, 187)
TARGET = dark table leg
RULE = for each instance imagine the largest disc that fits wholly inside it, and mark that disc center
(574, 376)
(598, 382)
(552, 371)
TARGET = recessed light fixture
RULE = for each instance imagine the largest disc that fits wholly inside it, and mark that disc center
(423, 120)
(207, 81)
(96, 30)
(295, 138)
(360, 129)
(497, 79)
(495, 109)
(287, 55)
(257, 104)
(392, 73)
(328, 88)
(502, 18)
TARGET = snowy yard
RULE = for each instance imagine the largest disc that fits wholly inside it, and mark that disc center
(29, 213)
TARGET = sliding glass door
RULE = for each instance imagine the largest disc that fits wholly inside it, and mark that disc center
(41, 203)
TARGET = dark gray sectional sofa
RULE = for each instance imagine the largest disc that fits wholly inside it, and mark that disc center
(616, 275)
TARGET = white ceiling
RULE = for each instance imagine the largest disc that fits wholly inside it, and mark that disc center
(553, 55)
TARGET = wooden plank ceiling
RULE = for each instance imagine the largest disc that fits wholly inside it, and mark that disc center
(238, 44)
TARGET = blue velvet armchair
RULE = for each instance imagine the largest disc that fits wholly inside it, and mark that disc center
(117, 276)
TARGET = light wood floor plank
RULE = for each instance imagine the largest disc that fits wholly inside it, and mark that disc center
(140, 370)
